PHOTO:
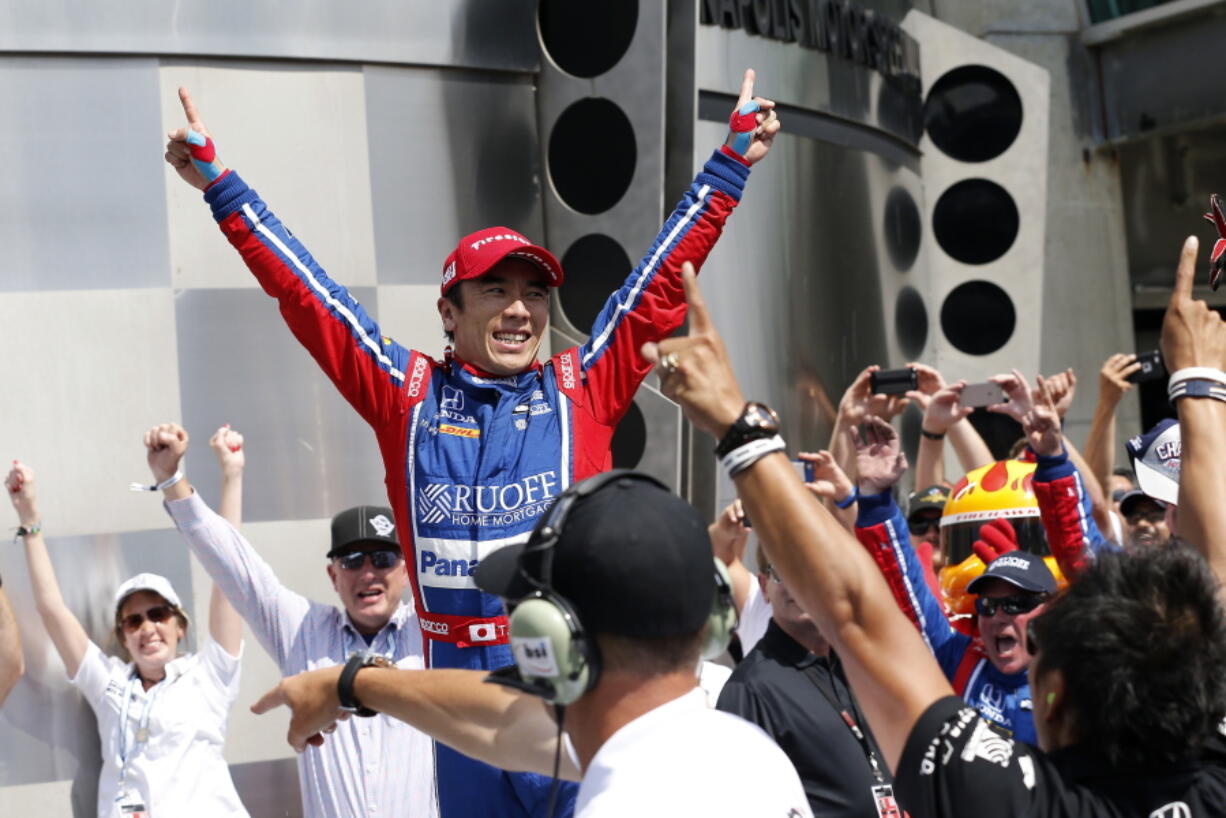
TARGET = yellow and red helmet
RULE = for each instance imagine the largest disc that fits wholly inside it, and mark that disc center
(1002, 489)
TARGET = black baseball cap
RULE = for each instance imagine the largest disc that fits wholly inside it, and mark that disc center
(360, 525)
(1021, 568)
(633, 559)
(933, 497)
(1132, 498)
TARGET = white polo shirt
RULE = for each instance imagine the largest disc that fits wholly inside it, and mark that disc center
(179, 770)
(673, 760)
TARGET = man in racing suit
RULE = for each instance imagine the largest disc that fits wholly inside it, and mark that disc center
(993, 682)
(476, 450)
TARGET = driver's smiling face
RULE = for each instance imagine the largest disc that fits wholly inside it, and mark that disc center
(504, 317)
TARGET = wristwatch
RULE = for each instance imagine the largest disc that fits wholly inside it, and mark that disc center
(757, 422)
(344, 685)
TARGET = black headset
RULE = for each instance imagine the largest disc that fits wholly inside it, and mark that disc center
(555, 657)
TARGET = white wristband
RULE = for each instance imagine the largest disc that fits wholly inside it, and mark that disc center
(1201, 373)
(739, 459)
(162, 486)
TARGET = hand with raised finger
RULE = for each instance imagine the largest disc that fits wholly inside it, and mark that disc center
(729, 534)
(165, 446)
(829, 481)
(880, 461)
(1017, 390)
(227, 444)
(1062, 386)
(311, 698)
(190, 150)
(1192, 333)
(1041, 423)
(945, 409)
(753, 124)
(23, 493)
(694, 369)
(1113, 381)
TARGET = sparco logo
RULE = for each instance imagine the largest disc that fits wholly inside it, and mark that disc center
(419, 372)
(495, 505)
(568, 372)
(477, 245)
(439, 628)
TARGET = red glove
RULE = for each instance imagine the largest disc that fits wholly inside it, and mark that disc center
(995, 538)
(1217, 259)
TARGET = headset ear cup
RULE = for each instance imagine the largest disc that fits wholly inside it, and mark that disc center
(550, 647)
(723, 619)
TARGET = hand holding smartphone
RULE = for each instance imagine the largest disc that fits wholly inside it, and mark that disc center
(983, 394)
(893, 381)
(1151, 367)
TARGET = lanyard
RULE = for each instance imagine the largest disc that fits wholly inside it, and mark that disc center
(852, 724)
(142, 731)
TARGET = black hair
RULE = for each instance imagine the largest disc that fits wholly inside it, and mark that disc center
(1141, 641)
(1124, 471)
(456, 296)
(651, 656)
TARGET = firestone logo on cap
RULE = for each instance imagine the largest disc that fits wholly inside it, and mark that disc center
(479, 243)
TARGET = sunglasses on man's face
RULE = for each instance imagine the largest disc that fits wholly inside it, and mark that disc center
(379, 560)
(157, 614)
(921, 527)
(1012, 605)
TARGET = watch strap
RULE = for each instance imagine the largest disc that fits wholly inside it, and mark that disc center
(344, 685)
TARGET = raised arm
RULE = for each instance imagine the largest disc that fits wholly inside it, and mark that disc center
(832, 486)
(366, 366)
(65, 630)
(225, 626)
(651, 303)
(272, 610)
(12, 663)
(502, 727)
(728, 537)
(834, 579)
(1113, 384)
(1193, 335)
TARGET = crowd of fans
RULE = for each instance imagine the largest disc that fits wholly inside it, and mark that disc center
(1038, 634)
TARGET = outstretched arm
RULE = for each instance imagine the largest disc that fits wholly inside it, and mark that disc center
(225, 625)
(272, 610)
(1193, 335)
(1113, 384)
(12, 664)
(502, 727)
(65, 630)
(835, 580)
(650, 304)
(728, 537)
(366, 366)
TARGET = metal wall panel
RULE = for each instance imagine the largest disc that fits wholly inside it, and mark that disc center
(97, 368)
(297, 134)
(452, 152)
(81, 205)
(458, 33)
(242, 366)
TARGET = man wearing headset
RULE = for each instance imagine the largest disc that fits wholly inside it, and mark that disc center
(613, 599)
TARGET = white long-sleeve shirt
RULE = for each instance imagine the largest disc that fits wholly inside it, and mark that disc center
(370, 766)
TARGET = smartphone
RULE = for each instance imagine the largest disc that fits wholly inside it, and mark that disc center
(1151, 367)
(893, 381)
(804, 470)
(983, 394)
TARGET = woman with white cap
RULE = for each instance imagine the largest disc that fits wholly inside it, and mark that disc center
(161, 716)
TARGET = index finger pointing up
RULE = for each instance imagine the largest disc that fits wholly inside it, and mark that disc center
(700, 319)
(746, 88)
(1185, 273)
(189, 108)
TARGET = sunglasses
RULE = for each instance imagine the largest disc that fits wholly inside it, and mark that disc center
(157, 614)
(924, 526)
(379, 560)
(1012, 605)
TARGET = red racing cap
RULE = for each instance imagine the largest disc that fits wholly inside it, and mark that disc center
(477, 253)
